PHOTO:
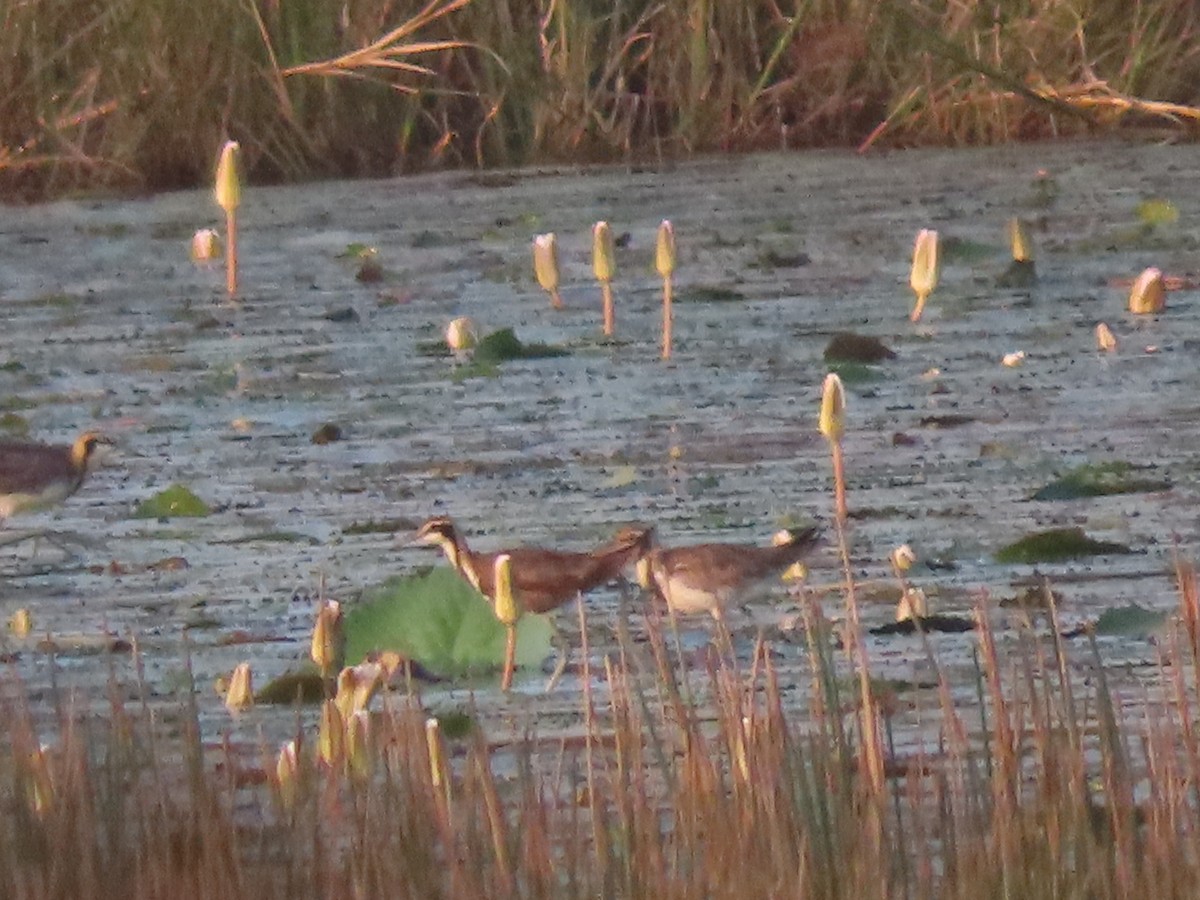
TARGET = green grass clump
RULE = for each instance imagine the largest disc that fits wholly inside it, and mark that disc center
(174, 502)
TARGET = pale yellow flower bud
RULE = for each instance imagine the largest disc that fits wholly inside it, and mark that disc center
(287, 774)
(508, 608)
(1105, 339)
(604, 252)
(833, 408)
(545, 261)
(461, 336)
(912, 605)
(1149, 294)
(664, 250)
(903, 558)
(331, 735)
(433, 741)
(925, 267)
(358, 744)
(21, 623)
(240, 694)
(329, 639)
(1018, 238)
(229, 182)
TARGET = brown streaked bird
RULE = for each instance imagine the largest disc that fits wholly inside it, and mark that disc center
(544, 579)
(36, 476)
(712, 577)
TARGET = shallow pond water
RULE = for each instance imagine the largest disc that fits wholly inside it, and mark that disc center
(109, 325)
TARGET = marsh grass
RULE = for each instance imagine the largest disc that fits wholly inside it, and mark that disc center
(723, 780)
(141, 94)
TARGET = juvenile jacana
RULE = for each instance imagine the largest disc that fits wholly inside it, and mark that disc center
(543, 579)
(36, 476)
(712, 577)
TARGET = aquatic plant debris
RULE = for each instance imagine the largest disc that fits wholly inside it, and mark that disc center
(1057, 545)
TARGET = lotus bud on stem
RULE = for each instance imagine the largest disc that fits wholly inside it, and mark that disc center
(1105, 339)
(331, 735)
(287, 775)
(328, 639)
(359, 757)
(924, 277)
(604, 265)
(664, 262)
(508, 611)
(356, 687)
(229, 198)
(832, 425)
(1018, 239)
(1148, 294)
(545, 266)
(240, 694)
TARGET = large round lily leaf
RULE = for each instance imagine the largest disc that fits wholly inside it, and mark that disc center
(443, 623)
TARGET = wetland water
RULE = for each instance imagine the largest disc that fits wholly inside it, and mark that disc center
(109, 326)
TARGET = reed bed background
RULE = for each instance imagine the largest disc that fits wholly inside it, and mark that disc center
(680, 783)
(140, 94)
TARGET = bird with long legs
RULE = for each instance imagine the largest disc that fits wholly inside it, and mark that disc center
(543, 579)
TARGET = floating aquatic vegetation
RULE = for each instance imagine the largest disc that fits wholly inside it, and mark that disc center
(440, 621)
(1057, 545)
(846, 346)
(709, 293)
(1101, 480)
(175, 502)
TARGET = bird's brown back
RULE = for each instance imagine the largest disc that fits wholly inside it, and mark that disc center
(716, 566)
(27, 468)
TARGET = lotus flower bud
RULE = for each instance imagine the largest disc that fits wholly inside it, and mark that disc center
(206, 245)
(331, 735)
(461, 336)
(903, 558)
(287, 774)
(229, 182)
(604, 253)
(358, 744)
(664, 250)
(833, 408)
(644, 578)
(912, 605)
(1149, 294)
(545, 261)
(508, 609)
(1105, 339)
(433, 741)
(356, 687)
(240, 694)
(41, 781)
(329, 639)
(1018, 238)
(924, 277)
(21, 623)
(797, 571)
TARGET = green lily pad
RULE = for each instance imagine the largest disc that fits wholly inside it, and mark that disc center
(173, 503)
(1056, 545)
(1130, 621)
(443, 623)
(1100, 480)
